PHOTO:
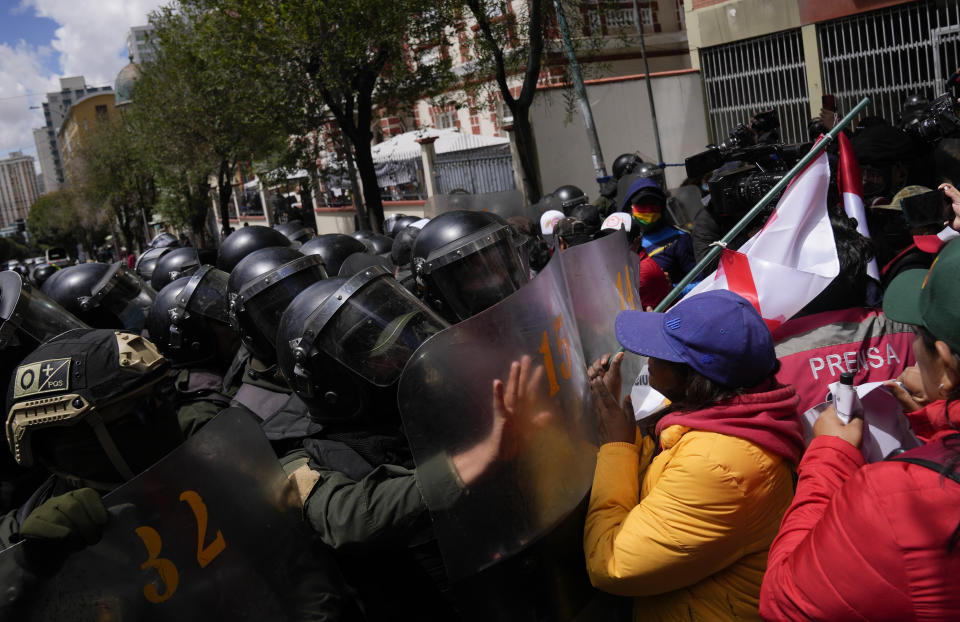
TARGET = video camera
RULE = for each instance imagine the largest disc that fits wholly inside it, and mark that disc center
(735, 191)
(938, 120)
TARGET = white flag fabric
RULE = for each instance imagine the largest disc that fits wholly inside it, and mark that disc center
(792, 259)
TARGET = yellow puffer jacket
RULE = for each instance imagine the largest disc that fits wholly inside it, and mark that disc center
(688, 535)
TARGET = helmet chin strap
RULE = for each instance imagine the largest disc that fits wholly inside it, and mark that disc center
(109, 447)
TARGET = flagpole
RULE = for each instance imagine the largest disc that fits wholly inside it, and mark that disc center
(717, 247)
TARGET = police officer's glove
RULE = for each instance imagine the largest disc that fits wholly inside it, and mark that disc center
(62, 525)
(609, 189)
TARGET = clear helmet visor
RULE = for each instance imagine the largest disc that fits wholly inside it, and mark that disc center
(206, 295)
(377, 329)
(481, 273)
(125, 294)
(265, 306)
(28, 310)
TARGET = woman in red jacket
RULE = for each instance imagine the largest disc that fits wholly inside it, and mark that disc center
(880, 541)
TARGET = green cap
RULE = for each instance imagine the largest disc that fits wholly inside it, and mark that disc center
(929, 298)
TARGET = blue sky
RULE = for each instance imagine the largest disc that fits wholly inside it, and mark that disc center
(44, 40)
(22, 23)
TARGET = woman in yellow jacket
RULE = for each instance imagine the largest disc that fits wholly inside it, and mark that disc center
(682, 522)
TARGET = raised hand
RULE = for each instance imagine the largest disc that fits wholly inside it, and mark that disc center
(516, 419)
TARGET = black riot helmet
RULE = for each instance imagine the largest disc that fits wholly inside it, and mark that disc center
(362, 234)
(343, 343)
(624, 164)
(102, 295)
(246, 240)
(333, 248)
(147, 261)
(41, 272)
(295, 231)
(403, 245)
(396, 223)
(379, 244)
(28, 317)
(189, 321)
(358, 262)
(164, 240)
(260, 287)
(570, 197)
(651, 171)
(465, 261)
(175, 264)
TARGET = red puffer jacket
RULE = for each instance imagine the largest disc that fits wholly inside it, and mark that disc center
(867, 542)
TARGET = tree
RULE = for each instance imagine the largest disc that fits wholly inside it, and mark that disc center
(202, 109)
(62, 218)
(341, 58)
(113, 172)
(514, 39)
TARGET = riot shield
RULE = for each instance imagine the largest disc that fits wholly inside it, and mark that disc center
(505, 204)
(445, 397)
(200, 535)
(601, 279)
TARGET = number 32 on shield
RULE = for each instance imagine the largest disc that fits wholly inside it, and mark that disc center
(166, 568)
(563, 345)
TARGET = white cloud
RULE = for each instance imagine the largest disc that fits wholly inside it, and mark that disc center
(22, 73)
(91, 38)
(90, 41)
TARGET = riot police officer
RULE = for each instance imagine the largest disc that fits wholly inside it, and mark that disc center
(295, 231)
(342, 345)
(465, 262)
(244, 241)
(27, 319)
(259, 289)
(333, 249)
(190, 324)
(173, 265)
(569, 196)
(164, 240)
(103, 296)
(108, 415)
(147, 261)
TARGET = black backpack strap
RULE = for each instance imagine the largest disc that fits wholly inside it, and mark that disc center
(934, 456)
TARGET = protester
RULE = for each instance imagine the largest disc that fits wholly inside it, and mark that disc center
(877, 541)
(686, 532)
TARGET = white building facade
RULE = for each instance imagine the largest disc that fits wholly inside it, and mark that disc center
(18, 188)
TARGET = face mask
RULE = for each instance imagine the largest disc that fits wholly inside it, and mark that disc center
(646, 215)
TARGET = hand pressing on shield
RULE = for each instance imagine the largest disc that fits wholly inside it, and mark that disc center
(616, 421)
(516, 419)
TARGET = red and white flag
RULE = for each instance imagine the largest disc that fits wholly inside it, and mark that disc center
(850, 181)
(792, 259)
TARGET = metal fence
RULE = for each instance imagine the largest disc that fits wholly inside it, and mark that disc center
(757, 74)
(890, 54)
(475, 171)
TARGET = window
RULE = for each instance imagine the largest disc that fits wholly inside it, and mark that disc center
(445, 120)
(101, 112)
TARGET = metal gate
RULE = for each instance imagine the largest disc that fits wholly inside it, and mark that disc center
(890, 54)
(757, 74)
(490, 170)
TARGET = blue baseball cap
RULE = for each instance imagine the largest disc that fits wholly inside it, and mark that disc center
(717, 333)
(645, 185)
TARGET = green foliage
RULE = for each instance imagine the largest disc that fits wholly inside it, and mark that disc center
(339, 59)
(13, 248)
(63, 218)
(113, 173)
(201, 108)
